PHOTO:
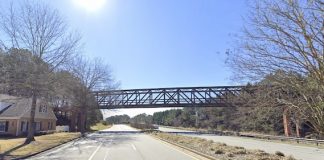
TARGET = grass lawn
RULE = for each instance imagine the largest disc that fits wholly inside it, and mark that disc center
(15, 148)
(99, 126)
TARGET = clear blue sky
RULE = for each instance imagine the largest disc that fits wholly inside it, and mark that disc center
(159, 43)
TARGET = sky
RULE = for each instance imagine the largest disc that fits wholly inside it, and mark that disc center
(157, 43)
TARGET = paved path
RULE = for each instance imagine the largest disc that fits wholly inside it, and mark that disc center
(113, 146)
(299, 152)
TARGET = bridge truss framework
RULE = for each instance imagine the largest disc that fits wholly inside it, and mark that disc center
(220, 96)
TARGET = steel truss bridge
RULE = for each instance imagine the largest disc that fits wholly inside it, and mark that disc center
(219, 96)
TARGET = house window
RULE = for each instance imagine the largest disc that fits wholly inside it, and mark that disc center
(24, 126)
(50, 125)
(43, 108)
(3, 126)
(38, 126)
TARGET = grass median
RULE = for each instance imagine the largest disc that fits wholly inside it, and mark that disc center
(219, 151)
(255, 136)
(15, 147)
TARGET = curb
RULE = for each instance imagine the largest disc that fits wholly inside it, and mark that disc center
(186, 148)
(33, 154)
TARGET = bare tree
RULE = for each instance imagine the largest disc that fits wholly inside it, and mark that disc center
(36, 27)
(286, 36)
(92, 75)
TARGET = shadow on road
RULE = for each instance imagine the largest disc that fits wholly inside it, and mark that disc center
(107, 139)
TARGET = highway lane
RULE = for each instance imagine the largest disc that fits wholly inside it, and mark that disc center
(121, 128)
(113, 146)
(299, 152)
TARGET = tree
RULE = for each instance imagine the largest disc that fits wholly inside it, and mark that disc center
(118, 119)
(91, 75)
(286, 36)
(142, 119)
(40, 30)
(168, 117)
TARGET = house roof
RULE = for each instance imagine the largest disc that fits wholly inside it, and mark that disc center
(4, 106)
(15, 107)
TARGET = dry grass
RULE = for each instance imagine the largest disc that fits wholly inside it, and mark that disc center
(15, 148)
(219, 150)
(99, 126)
(302, 143)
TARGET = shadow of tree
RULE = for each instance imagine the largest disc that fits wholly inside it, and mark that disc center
(6, 154)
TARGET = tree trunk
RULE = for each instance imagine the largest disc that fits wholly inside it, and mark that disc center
(83, 120)
(31, 128)
(286, 122)
(297, 128)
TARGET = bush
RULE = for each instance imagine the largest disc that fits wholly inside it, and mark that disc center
(229, 155)
(240, 151)
(218, 151)
(260, 153)
(222, 144)
(238, 147)
(104, 122)
(278, 153)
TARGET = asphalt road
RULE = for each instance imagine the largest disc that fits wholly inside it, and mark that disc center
(116, 146)
(299, 152)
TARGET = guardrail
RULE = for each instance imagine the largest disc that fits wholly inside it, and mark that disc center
(258, 136)
(283, 138)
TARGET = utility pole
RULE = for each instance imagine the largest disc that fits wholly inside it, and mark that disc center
(197, 117)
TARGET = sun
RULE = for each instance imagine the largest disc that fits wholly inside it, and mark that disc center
(90, 5)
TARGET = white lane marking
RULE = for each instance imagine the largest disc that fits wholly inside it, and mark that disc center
(90, 158)
(134, 148)
(173, 147)
(106, 155)
(89, 147)
(109, 143)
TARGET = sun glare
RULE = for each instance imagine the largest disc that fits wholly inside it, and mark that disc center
(90, 5)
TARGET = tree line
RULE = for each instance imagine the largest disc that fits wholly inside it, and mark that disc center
(40, 58)
(283, 42)
(125, 119)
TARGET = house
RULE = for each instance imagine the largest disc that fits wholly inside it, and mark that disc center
(15, 114)
(68, 116)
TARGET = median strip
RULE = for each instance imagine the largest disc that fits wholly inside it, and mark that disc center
(213, 150)
(183, 148)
